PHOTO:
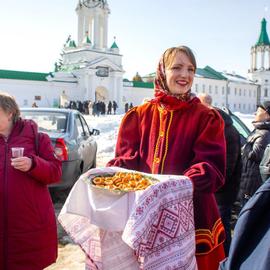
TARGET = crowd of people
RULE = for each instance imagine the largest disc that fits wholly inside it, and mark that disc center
(128, 106)
(176, 133)
(96, 108)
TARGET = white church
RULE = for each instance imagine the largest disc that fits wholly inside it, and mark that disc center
(90, 70)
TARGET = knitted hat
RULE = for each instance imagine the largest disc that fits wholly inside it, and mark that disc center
(266, 106)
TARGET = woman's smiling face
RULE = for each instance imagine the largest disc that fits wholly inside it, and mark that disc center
(180, 74)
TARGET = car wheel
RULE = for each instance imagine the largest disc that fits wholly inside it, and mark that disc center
(59, 196)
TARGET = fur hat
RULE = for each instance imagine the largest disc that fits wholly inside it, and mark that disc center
(266, 106)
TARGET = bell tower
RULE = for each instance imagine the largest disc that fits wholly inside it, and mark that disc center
(260, 52)
(93, 22)
(96, 68)
(260, 63)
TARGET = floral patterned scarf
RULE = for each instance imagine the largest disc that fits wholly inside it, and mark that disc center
(162, 93)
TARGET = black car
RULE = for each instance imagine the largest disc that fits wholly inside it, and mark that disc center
(72, 139)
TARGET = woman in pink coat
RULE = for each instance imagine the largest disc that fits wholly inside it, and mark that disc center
(28, 234)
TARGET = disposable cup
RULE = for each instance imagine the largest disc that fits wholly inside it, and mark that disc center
(17, 152)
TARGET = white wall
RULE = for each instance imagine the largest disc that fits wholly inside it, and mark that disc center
(25, 91)
(136, 95)
(215, 88)
(262, 77)
(243, 100)
(242, 97)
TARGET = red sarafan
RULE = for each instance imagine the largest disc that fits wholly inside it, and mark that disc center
(175, 134)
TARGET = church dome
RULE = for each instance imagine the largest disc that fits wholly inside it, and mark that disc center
(137, 78)
(263, 38)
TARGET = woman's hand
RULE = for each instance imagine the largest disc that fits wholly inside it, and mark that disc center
(23, 164)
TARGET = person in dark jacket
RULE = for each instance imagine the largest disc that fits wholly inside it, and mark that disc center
(126, 107)
(28, 234)
(252, 153)
(109, 111)
(227, 194)
(250, 248)
(115, 106)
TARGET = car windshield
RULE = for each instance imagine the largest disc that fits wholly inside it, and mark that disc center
(240, 126)
(48, 121)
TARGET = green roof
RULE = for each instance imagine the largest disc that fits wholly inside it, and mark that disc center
(143, 84)
(23, 75)
(263, 38)
(206, 72)
(87, 40)
(210, 73)
(72, 44)
(114, 46)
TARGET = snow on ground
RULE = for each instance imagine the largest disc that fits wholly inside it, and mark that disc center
(108, 126)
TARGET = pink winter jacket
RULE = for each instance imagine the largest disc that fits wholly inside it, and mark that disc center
(28, 234)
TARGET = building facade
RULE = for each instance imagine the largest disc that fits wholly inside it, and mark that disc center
(90, 70)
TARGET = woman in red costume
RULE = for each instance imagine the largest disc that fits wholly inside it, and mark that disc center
(175, 134)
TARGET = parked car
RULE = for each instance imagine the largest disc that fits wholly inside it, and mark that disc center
(239, 125)
(72, 139)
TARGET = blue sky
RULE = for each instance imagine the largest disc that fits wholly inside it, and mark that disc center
(220, 33)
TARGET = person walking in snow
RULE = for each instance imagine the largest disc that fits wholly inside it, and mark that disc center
(115, 106)
(109, 108)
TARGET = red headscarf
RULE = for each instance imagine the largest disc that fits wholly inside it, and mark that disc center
(162, 92)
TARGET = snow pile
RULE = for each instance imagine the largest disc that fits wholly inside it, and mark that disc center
(108, 126)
